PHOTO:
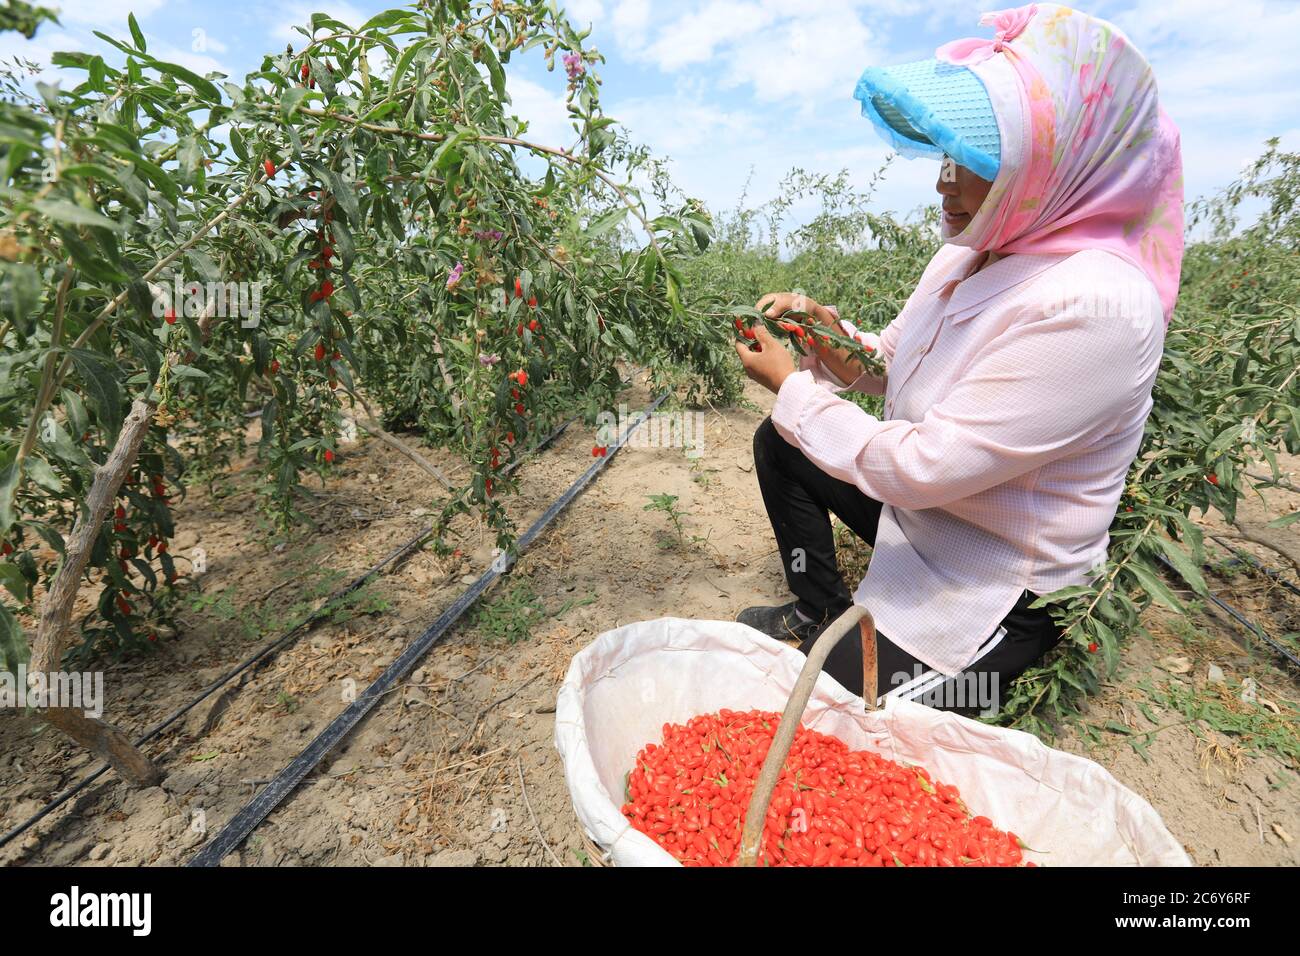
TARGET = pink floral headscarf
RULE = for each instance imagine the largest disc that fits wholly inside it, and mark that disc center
(1089, 160)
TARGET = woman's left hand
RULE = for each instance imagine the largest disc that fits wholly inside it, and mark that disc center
(769, 367)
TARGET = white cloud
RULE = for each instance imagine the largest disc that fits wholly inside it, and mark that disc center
(582, 13)
(629, 22)
(544, 109)
(681, 127)
(104, 12)
(1214, 63)
(196, 60)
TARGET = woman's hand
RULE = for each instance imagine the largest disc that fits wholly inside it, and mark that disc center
(769, 364)
(840, 362)
(776, 304)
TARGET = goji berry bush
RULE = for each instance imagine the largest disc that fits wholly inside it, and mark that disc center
(831, 807)
(411, 275)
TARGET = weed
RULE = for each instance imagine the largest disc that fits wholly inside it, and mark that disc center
(514, 615)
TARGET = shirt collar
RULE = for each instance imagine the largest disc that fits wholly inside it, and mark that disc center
(968, 291)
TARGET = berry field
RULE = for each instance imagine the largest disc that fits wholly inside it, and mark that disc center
(434, 774)
(262, 335)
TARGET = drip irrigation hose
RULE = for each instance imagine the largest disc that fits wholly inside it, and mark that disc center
(1245, 557)
(266, 652)
(1240, 618)
(287, 780)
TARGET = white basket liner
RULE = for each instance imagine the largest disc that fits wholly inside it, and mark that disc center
(623, 687)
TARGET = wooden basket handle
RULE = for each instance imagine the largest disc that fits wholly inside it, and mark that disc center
(752, 834)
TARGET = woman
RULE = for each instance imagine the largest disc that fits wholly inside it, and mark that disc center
(1019, 372)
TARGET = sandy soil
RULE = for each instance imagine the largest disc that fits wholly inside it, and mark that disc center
(457, 766)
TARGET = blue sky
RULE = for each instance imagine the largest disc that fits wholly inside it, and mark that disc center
(723, 86)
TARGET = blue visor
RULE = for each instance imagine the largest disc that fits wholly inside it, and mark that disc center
(930, 108)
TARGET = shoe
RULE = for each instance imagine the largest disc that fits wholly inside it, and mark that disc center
(781, 622)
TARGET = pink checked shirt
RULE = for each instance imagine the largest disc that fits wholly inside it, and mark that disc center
(1015, 399)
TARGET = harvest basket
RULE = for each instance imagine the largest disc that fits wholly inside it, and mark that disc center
(623, 687)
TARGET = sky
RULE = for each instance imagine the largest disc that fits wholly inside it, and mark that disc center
(737, 90)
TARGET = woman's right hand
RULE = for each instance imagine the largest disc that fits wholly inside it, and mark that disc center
(776, 304)
(839, 361)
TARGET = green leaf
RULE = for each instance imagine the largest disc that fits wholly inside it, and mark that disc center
(322, 76)
(43, 474)
(188, 371)
(290, 100)
(386, 19)
(20, 295)
(605, 222)
(495, 73)
(1285, 521)
(63, 211)
(347, 198)
(9, 475)
(14, 651)
(203, 87)
(1184, 564)
(448, 154)
(1223, 441)
(1152, 584)
(404, 61)
(102, 388)
(15, 583)
(136, 34)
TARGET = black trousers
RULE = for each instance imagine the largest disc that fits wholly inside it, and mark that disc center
(800, 498)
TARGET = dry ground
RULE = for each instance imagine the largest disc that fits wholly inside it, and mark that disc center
(457, 766)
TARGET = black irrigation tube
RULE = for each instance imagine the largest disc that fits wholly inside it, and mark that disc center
(262, 655)
(1240, 618)
(287, 780)
(1245, 557)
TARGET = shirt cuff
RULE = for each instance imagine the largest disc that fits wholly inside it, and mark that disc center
(795, 393)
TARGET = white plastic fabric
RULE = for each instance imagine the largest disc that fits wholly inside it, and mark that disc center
(623, 687)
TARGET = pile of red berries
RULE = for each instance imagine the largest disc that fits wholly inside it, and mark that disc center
(832, 806)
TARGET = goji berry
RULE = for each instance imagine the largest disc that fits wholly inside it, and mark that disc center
(831, 807)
